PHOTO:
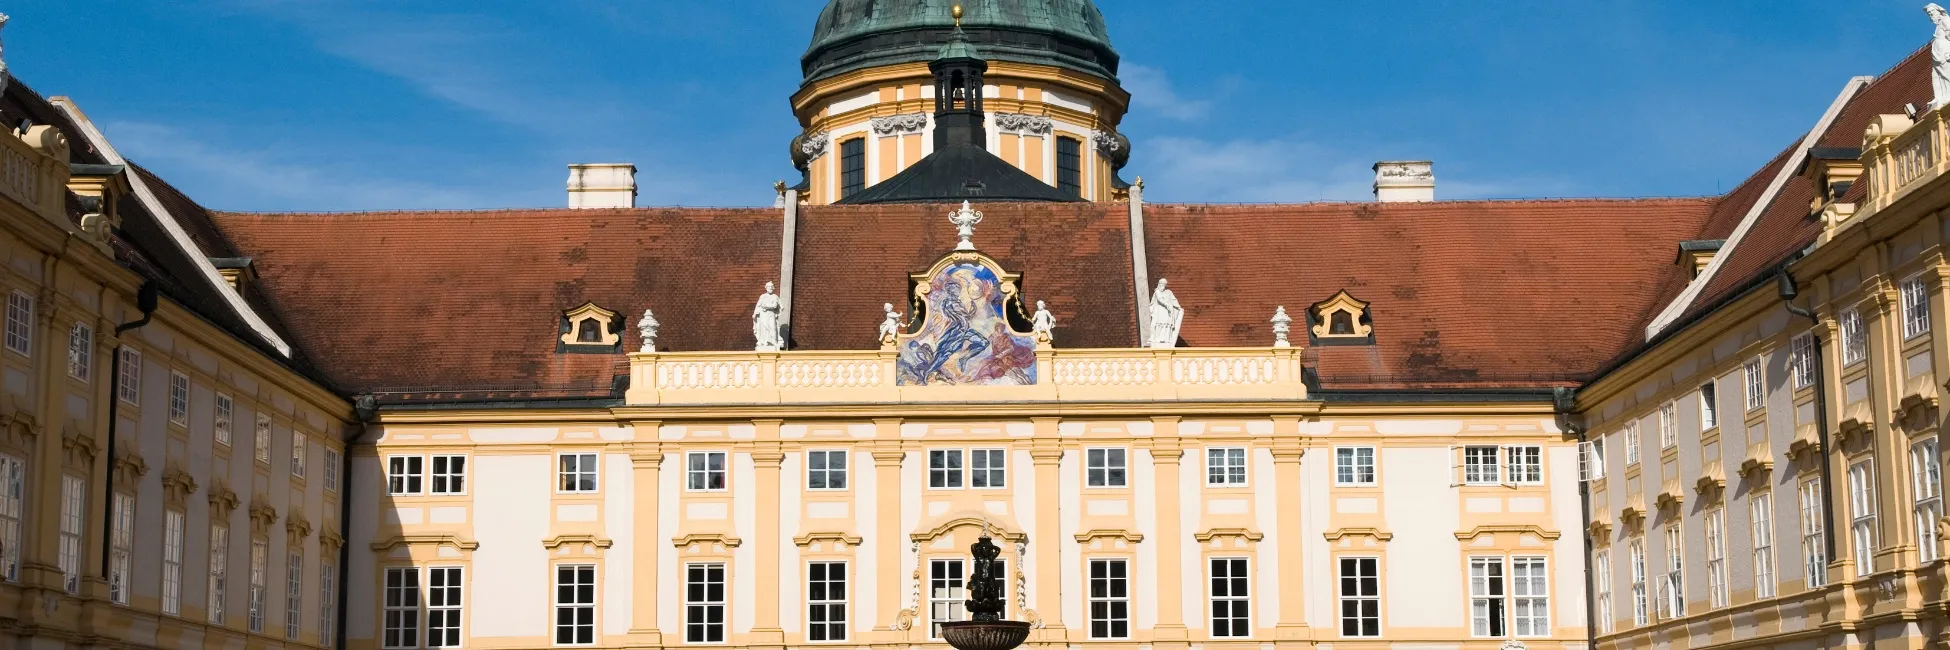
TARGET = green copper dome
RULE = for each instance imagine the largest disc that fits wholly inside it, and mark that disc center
(857, 34)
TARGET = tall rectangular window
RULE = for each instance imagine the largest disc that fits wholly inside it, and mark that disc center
(404, 475)
(449, 474)
(1360, 587)
(1525, 464)
(1916, 309)
(401, 625)
(81, 351)
(1530, 593)
(986, 468)
(1632, 443)
(1709, 406)
(704, 603)
(577, 472)
(1675, 585)
(332, 470)
(443, 607)
(1814, 555)
(1862, 510)
(128, 382)
(1104, 467)
(944, 468)
(219, 568)
(225, 409)
(262, 439)
(1639, 614)
(1110, 599)
(20, 323)
(1231, 598)
(13, 484)
(1926, 481)
(575, 604)
(172, 563)
(1480, 466)
(179, 398)
(1601, 579)
(704, 471)
(259, 559)
(826, 470)
(1225, 466)
(946, 597)
(1855, 339)
(1069, 165)
(294, 593)
(1801, 359)
(74, 510)
(327, 603)
(826, 601)
(1668, 426)
(121, 546)
(1354, 466)
(298, 444)
(853, 166)
(1761, 507)
(1756, 385)
(1716, 557)
(1487, 599)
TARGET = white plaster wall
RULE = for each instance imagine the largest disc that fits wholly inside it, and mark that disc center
(1191, 570)
(1317, 509)
(792, 480)
(1069, 498)
(744, 517)
(1024, 509)
(361, 570)
(1424, 559)
(1267, 511)
(619, 525)
(866, 570)
(1145, 508)
(511, 594)
(1567, 554)
(669, 480)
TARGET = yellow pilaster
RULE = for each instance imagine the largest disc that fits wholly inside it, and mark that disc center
(767, 456)
(887, 513)
(646, 461)
(1047, 454)
(1287, 450)
(1166, 454)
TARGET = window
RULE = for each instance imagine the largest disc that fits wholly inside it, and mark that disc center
(1360, 586)
(1709, 406)
(1862, 508)
(1110, 599)
(1675, 585)
(449, 474)
(1716, 557)
(219, 566)
(298, 444)
(1231, 598)
(1801, 359)
(128, 385)
(74, 507)
(225, 408)
(121, 546)
(1916, 309)
(705, 471)
(944, 468)
(179, 398)
(1532, 595)
(13, 483)
(327, 603)
(20, 323)
(1756, 385)
(259, 558)
(443, 607)
(853, 166)
(263, 439)
(1591, 460)
(578, 471)
(81, 351)
(1855, 339)
(1668, 426)
(1480, 466)
(1487, 600)
(575, 604)
(589, 330)
(332, 469)
(1525, 463)
(704, 603)
(404, 474)
(401, 627)
(1104, 467)
(1639, 613)
(1225, 466)
(172, 563)
(1926, 477)
(826, 470)
(945, 594)
(1354, 466)
(826, 598)
(986, 468)
(1814, 556)
(1069, 166)
(1632, 443)
(1601, 577)
(1762, 519)
(294, 593)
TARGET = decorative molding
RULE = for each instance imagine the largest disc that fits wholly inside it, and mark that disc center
(1804, 443)
(1531, 529)
(435, 539)
(986, 526)
(129, 467)
(842, 539)
(1759, 462)
(1599, 530)
(77, 446)
(1110, 143)
(1323, 312)
(1712, 480)
(899, 124)
(178, 485)
(1633, 514)
(1210, 534)
(1917, 409)
(1109, 533)
(605, 319)
(330, 540)
(1023, 123)
(706, 538)
(262, 515)
(1670, 494)
(296, 528)
(558, 541)
(1376, 533)
(222, 500)
(815, 144)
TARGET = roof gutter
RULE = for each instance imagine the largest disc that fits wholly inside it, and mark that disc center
(145, 300)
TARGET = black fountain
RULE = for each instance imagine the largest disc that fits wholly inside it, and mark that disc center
(985, 629)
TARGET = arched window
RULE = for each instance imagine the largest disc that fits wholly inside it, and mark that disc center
(853, 166)
(589, 331)
(1069, 165)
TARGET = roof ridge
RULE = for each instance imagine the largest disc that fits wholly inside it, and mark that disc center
(479, 211)
(1499, 201)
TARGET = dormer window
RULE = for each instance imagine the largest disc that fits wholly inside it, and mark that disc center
(1342, 319)
(1696, 254)
(590, 328)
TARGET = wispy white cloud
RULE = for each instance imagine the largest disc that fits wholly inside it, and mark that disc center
(1292, 169)
(1151, 90)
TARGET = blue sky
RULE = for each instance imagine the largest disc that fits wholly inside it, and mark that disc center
(329, 105)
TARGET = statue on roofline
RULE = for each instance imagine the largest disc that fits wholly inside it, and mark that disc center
(1166, 316)
(765, 320)
(1939, 55)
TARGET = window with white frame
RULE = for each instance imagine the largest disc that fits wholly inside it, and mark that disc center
(1110, 599)
(704, 471)
(1601, 579)
(1524, 464)
(298, 444)
(81, 351)
(826, 470)
(327, 603)
(704, 603)
(1225, 466)
(332, 470)
(443, 606)
(1926, 482)
(1488, 601)
(226, 408)
(946, 597)
(262, 442)
(1104, 467)
(449, 474)
(826, 601)
(944, 468)
(1709, 406)
(1481, 465)
(13, 485)
(1674, 587)
(260, 552)
(1632, 443)
(1354, 466)
(1862, 513)
(1640, 615)
(1916, 309)
(1360, 587)
(218, 589)
(121, 546)
(1668, 426)
(1591, 460)
(1231, 598)
(1761, 518)
(400, 627)
(987, 468)
(575, 603)
(1530, 596)
(1855, 339)
(179, 398)
(405, 474)
(1814, 555)
(1716, 557)
(577, 472)
(128, 382)
(294, 592)
(20, 323)
(74, 510)
(1756, 384)
(172, 563)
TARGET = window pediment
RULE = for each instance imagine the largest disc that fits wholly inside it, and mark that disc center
(1342, 318)
(589, 327)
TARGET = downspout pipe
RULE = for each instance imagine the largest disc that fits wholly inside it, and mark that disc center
(1565, 400)
(367, 410)
(1788, 292)
(145, 301)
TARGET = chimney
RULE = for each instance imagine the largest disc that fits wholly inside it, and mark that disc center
(602, 185)
(1404, 181)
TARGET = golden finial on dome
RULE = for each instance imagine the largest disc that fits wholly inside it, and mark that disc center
(957, 13)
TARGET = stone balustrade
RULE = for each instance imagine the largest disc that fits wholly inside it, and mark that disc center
(1899, 155)
(34, 172)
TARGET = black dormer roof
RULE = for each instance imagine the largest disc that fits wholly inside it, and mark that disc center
(959, 172)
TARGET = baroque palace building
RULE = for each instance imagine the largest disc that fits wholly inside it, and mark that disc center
(1623, 423)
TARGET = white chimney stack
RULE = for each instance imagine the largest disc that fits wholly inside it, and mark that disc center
(1399, 181)
(602, 185)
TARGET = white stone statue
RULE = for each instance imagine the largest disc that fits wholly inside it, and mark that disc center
(1939, 55)
(648, 328)
(4, 76)
(965, 219)
(1043, 323)
(765, 320)
(890, 326)
(1166, 316)
(1282, 325)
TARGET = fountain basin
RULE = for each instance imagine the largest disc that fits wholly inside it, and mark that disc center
(985, 635)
